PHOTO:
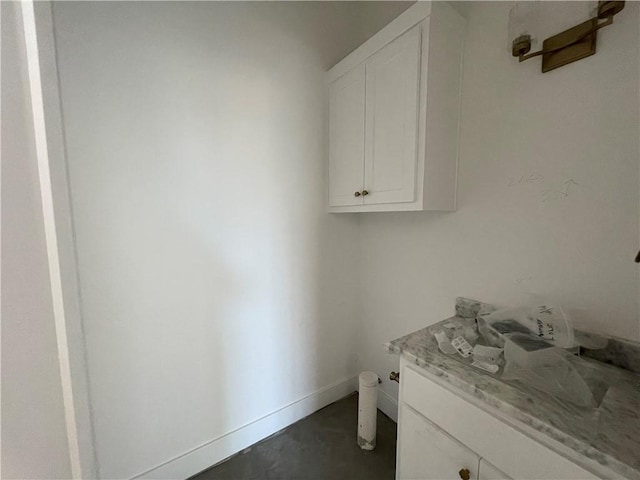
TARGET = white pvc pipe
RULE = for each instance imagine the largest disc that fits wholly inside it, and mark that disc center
(367, 410)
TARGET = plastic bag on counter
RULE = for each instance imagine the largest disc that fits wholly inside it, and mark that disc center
(568, 379)
(548, 323)
(457, 328)
(589, 340)
(535, 363)
(465, 328)
(528, 351)
(490, 336)
(459, 337)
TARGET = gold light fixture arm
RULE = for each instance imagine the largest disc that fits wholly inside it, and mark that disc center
(571, 45)
(607, 22)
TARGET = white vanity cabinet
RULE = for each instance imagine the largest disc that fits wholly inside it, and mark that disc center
(394, 106)
(442, 435)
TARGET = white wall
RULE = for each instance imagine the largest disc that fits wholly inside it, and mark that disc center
(215, 288)
(34, 441)
(511, 237)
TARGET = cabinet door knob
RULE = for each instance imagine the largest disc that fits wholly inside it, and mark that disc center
(357, 194)
(364, 192)
(394, 376)
(465, 474)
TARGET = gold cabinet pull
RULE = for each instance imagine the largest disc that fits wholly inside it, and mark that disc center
(465, 474)
(394, 376)
(357, 194)
(364, 193)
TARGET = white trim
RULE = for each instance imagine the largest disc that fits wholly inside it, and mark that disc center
(46, 192)
(388, 405)
(220, 448)
(59, 236)
(389, 207)
(407, 19)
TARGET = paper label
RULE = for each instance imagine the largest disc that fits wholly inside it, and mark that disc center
(485, 366)
(486, 354)
(462, 346)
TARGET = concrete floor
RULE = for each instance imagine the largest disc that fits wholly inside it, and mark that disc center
(320, 447)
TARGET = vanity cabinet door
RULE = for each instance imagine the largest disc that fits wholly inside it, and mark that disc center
(427, 452)
(346, 138)
(489, 472)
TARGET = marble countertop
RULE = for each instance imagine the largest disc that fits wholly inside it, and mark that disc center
(608, 434)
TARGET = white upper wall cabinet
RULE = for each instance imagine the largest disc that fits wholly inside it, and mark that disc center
(394, 115)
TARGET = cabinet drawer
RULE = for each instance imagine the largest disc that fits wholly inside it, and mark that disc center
(515, 453)
(428, 453)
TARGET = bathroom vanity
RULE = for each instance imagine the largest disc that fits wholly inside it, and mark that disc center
(456, 421)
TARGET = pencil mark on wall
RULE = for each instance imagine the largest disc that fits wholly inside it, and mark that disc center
(568, 184)
(552, 195)
(545, 188)
(522, 280)
(560, 194)
(533, 178)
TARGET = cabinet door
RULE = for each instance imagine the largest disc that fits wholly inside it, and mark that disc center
(391, 138)
(489, 472)
(427, 452)
(346, 138)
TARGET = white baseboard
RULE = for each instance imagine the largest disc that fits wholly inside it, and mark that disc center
(388, 405)
(220, 448)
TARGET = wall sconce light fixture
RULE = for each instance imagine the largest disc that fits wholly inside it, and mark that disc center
(566, 47)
